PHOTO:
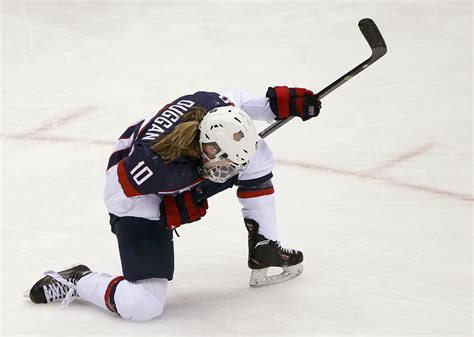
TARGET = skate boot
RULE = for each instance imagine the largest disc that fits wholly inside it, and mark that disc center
(264, 253)
(57, 286)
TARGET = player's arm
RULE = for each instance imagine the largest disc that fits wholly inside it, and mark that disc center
(257, 107)
(280, 102)
(143, 172)
(138, 174)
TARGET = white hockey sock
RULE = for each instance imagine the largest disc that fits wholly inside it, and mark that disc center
(92, 287)
(262, 209)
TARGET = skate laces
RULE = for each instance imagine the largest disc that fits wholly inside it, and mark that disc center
(285, 250)
(62, 289)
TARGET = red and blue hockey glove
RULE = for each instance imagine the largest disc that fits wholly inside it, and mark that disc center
(182, 208)
(286, 102)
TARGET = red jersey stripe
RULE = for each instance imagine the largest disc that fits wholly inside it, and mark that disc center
(127, 187)
(255, 193)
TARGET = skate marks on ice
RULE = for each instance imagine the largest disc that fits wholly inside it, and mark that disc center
(371, 282)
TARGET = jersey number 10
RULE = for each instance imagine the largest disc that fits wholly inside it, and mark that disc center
(142, 175)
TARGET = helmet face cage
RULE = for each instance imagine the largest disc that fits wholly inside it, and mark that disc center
(218, 169)
(228, 140)
(220, 173)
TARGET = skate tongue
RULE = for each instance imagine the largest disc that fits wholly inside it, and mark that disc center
(72, 287)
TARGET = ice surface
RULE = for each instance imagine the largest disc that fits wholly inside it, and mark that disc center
(377, 192)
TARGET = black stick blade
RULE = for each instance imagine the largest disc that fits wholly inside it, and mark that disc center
(372, 35)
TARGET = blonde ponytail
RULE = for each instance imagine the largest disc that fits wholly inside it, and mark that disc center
(183, 141)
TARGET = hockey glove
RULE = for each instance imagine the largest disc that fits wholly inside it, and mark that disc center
(286, 102)
(181, 209)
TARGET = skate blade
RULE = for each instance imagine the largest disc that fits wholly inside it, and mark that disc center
(259, 277)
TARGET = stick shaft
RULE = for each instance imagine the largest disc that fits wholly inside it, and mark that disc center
(377, 45)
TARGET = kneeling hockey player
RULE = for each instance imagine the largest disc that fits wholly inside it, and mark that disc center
(158, 177)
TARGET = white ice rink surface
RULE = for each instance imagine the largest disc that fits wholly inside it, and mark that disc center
(377, 191)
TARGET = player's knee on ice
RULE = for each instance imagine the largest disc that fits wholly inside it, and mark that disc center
(142, 300)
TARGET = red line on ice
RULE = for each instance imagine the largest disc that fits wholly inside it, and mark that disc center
(56, 139)
(63, 120)
(372, 175)
(401, 158)
(387, 180)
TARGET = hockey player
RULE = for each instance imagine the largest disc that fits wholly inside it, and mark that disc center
(158, 177)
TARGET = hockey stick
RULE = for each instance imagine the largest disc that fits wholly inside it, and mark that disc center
(377, 45)
(379, 48)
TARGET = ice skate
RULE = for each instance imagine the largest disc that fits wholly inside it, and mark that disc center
(264, 253)
(60, 286)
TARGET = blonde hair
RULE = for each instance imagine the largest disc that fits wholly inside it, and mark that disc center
(183, 140)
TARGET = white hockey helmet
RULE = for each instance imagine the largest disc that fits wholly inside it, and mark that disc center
(231, 135)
